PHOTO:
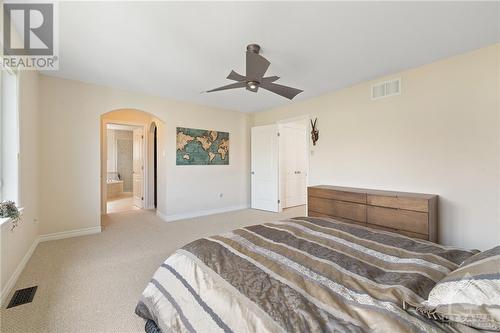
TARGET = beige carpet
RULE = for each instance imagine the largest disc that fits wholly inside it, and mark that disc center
(92, 283)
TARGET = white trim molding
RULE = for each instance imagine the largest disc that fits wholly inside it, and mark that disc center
(184, 216)
(19, 269)
(69, 234)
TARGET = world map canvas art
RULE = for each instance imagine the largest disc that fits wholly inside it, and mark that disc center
(202, 147)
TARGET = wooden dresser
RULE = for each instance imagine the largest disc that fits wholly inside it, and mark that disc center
(410, 214)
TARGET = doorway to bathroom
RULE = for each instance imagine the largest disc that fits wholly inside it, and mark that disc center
(125, 166)
(132, 154)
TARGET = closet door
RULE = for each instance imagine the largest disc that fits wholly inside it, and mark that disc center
(264, 168)
(293, 150)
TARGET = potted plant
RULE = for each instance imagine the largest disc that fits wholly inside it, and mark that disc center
(8, 209)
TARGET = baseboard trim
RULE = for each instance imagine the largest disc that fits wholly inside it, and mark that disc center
(42, 238)
(161, 215)
(69, 234)
(190, 215)
(19, 269)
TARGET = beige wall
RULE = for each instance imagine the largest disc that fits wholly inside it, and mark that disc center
(111, 150)
(70, 154)
(16, 244)
(440, 136)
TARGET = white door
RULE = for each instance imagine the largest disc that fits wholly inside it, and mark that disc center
(264, 168)
(138, 168)
(293, 150)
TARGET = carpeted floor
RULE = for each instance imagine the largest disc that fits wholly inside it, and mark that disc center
(92, 283)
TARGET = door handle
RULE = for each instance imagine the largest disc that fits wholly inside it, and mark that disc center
(252, 173)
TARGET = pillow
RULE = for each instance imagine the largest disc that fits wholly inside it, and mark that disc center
(470, 295)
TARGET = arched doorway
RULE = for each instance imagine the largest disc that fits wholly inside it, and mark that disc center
(129, 160)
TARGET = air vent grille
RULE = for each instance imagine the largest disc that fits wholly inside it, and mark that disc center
(22, 296)
(386, 88)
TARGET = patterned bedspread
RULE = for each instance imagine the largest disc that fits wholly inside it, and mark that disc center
(298, 275)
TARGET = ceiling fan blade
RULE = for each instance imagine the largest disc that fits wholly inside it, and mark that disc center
(257, 66)
(287, 92)
(230, 86)
(270, 79)
(236, 77)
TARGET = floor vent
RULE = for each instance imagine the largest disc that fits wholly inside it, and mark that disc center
(22, 296)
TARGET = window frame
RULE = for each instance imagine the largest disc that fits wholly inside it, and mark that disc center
(15, 73)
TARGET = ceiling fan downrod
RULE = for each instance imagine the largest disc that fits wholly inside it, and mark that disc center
(255, 48)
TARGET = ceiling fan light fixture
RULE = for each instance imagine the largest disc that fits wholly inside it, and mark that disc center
(256, 67)
(252, 85)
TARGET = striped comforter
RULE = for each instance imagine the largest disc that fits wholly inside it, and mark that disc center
(298, 275)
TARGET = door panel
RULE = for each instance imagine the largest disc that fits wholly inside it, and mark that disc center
(264, 168)
(138, 168)
(294, 165)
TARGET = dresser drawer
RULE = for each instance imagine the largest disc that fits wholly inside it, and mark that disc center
(347, 210)
(406, 220)
(312, 213)
(401, 232)
(337, 195)
(407, 203)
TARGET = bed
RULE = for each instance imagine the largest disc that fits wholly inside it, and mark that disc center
(307, 274)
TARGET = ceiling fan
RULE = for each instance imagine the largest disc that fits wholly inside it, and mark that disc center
(254, 79)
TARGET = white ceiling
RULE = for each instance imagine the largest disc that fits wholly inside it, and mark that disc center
(177, 50)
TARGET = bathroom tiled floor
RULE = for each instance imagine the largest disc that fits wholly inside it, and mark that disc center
(121, 204)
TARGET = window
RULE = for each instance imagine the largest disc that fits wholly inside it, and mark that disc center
(9, 186)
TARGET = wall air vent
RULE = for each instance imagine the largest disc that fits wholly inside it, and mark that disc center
(386, 88)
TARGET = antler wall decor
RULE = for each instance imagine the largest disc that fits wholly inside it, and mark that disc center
(314, 131)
